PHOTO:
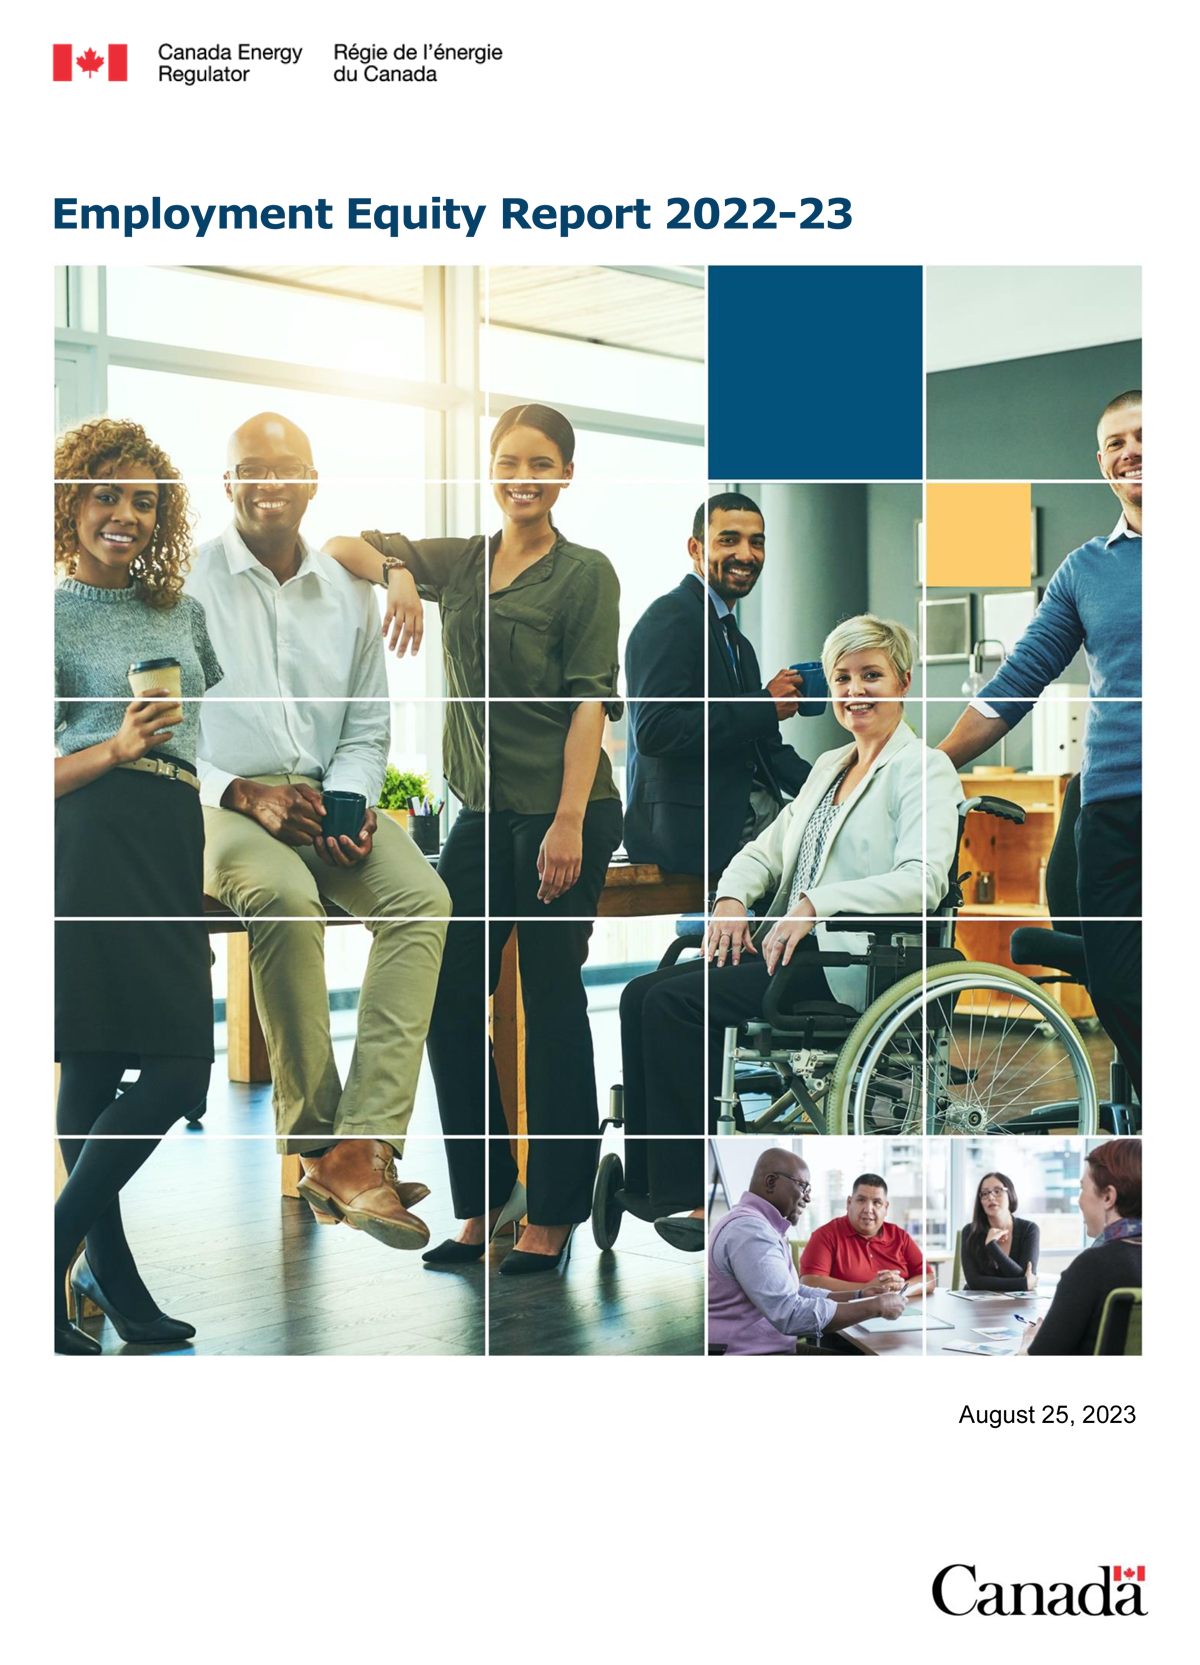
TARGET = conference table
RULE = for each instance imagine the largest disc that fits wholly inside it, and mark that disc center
(981, 1311)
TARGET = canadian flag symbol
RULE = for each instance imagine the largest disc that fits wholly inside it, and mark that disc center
(1121, 1574)
(90, 62)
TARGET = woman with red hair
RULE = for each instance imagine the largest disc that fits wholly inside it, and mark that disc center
(1110, 1200)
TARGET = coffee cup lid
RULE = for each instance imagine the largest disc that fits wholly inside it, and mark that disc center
(152, 665)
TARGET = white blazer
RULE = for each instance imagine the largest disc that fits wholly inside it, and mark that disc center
(883, 856)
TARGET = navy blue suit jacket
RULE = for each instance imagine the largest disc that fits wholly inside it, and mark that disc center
(664, 773)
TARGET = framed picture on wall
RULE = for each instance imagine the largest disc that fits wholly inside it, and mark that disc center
(1007, 614)
(946, 630)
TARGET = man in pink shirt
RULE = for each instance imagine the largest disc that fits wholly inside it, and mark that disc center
(860, 1253)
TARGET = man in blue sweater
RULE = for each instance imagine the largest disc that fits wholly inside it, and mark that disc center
(1094, 601)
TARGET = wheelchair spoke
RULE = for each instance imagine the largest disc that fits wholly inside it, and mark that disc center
(998, 1050)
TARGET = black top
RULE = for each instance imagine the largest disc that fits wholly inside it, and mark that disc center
(1073, 1322)
(990, 1268)
(668, 735)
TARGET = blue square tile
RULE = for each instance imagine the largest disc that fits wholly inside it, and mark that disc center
(814, 372)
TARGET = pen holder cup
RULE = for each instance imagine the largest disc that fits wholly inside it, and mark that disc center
(426, 833)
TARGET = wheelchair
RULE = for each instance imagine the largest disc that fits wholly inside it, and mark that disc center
(943, 1046)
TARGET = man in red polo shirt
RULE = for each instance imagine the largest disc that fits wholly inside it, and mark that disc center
(861, 1252)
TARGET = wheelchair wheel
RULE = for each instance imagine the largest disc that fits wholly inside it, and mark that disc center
(963, 1048)
(606, 1210)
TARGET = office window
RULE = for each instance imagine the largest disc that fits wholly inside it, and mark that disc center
(269, 319)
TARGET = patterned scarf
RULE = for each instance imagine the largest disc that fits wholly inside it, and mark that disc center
(1121, 1228)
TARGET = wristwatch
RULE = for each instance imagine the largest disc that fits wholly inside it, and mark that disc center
(389, 562)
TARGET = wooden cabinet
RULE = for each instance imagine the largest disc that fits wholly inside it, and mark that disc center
(1015, 857)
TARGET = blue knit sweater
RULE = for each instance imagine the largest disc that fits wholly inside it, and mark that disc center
(1094, 601)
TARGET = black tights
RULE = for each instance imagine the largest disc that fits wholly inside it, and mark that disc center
(98, 1167)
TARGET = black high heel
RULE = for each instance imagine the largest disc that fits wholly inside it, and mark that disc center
(520, 1264)
(68, 1339)
(140, 1331)
(451, 1253)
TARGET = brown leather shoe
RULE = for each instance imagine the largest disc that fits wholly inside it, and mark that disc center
(356, 1182)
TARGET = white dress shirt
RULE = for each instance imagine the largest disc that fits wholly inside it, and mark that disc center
(313, 638)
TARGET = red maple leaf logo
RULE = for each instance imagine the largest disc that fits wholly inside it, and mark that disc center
(89, 60)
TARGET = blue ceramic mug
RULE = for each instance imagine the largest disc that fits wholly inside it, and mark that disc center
(816, 689)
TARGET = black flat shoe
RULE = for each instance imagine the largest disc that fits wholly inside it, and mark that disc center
(143, 1331)
(681, 1232)
(451, 1253)
(518, 1264)
(67, 1339)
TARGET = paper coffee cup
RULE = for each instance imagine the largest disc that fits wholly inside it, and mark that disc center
(158, 673)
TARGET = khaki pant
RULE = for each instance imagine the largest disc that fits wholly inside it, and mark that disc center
(261, 878)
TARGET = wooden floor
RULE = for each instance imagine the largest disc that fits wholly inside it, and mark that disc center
(641, 1297)
(219, 1246)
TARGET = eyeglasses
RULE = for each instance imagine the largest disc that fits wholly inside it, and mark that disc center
(802, 1185)
(986, 1196)
(285, 470)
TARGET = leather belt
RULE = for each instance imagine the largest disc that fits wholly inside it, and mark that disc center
(157, 766)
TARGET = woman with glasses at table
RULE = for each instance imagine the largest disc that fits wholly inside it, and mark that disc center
(132, 982)
(999, 1251)
(554, 820)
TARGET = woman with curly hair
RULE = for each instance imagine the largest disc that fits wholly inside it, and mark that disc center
(132, 974)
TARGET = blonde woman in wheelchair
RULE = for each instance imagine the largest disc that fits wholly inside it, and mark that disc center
(873, 831)
(872, 1036)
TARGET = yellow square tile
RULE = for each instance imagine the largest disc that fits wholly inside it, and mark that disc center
(978, 535)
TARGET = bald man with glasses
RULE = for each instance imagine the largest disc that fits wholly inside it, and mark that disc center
(303, 712)
(756, 1302)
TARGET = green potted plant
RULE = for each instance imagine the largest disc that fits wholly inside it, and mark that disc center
(398, 787)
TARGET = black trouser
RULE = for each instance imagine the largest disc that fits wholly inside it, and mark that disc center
(667, 1007)
(1108, 842)
(670, 1172)
(552, 947)
(457, 1041)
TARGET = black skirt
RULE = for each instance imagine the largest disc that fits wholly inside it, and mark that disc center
(133, 965)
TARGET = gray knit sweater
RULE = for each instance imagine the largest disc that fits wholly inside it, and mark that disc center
(98, 634)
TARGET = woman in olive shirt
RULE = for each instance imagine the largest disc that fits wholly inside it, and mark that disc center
(554, 812)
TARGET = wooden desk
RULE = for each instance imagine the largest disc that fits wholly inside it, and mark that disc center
(965, 1316)
(631, 891)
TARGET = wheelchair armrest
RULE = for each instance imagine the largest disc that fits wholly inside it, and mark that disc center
(783, 983)
(869, 922)
(1002, 808)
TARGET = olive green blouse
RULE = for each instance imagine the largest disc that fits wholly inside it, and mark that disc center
(552, 643)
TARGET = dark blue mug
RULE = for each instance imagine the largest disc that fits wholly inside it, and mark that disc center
(345, 812)
(816, 689)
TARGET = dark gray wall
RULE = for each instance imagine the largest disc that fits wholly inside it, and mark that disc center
(1067, 516)
(837, 550)
(1025, 418)
(832, 551)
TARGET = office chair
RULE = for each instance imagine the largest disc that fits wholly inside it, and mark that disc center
(1120, 1331)
(1062, 947)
